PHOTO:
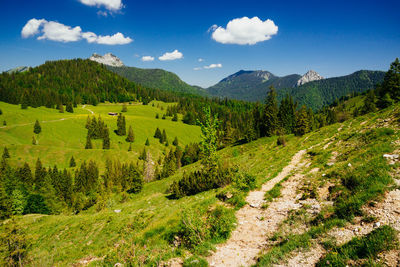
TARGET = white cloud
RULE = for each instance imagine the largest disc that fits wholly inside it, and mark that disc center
(244, 31)
(115, 39)
(171, 55)
(147, 58)
(32, 27)
(112, 5)
(213, 66)
(200, 60)
(102, 13)
(58, 32)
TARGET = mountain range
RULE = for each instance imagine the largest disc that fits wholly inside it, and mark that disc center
(310, 89)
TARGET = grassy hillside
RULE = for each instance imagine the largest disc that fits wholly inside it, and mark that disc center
(140, 233)
(64, 134)
(157, 78)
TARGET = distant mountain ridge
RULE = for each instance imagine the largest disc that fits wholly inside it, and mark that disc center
(157, 78)
(251, 85)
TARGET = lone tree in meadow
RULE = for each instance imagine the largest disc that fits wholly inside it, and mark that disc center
(69, 108)
(37, 128)
(88, 143)
(72, 162)
(131, 136)
(147, 142)
(6, 154)
(121, 125)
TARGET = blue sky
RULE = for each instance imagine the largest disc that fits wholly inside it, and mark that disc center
(331, 37)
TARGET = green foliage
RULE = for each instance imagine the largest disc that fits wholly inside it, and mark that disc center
(391, 82)
(124, 108)
(37, 128)
(35, 203)
(72, 162)
(6, 154)
(281, 141)
(121, 125)
(1, 112)
(34, 141)
(195, 261)
(369, 103)
(270, 115)
(131, 136)
(208, 144)
(89, 144)
(175, 117)
(147, 142)
(302, 122)
(175, 142)
(69, 108)
(18, 202)
(366, 247)
(14, 245)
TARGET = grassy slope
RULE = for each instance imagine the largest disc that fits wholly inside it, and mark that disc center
(146, 217)
(59, 140)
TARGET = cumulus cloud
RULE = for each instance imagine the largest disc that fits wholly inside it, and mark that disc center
(244, 31)
(147, 58)
(112, 5)
(58, 32)
(171, 56)
(32, 27)
(211, 66)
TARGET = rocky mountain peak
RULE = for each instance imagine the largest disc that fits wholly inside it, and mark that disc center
(309, 77)
(107, 59)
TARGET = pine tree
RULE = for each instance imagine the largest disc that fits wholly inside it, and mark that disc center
(88, 143)
(385, 101)
(175, 142)
(88, 122)
(40, 174)
(164, 137)
(106, 138)
(175, 117)
(163, 117)
(131, 136)
(37, 128)
(147, 142)
(158, 134)
(121, 125)
(69, 108)
(302, 123)
(72, 162)
(369, 103)
(6, 154)
(143, 155)
(391, 82)
(270, 117)
(287, 114)
(25, 101)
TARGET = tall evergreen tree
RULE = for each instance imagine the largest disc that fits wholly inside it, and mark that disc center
(208, 143)
(164, 137)
(175, 142)
(287, 114)
(369, 103)
(88, 143)
(131, 136)
(158, 134)
(147, 142)
(6, 154)
(106, 138)
(302, 122)
(270, 116)
(391, 82)
(40, 174)
(121, 125)
(37, 128)
(72, 162)
(69, 108)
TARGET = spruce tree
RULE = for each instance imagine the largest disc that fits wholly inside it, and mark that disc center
(37, 128)
(147, 142)
(157, 116)
(302, 122)
(270, 117)
(164, 137)
(143, 155)
(106, 138)
(175, 142)
(121, 125)
(88, 143)
(158, 134)
(40, 174)
(6, 154)
(391, 82)
(131, 136)
(369, 103)
(208, 143)
(69, 108)
(88, 122)
(287, 114)
(72, 162)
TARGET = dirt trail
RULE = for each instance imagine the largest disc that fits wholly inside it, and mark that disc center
(255, 224)
(84, 107)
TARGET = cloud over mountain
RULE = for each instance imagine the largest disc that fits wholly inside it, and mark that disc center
(171, 55)
(244, 31)
(59, 32)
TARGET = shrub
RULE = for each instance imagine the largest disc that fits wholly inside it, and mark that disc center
(281, 141)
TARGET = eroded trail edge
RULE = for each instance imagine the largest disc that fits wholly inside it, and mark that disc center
(256, 224)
